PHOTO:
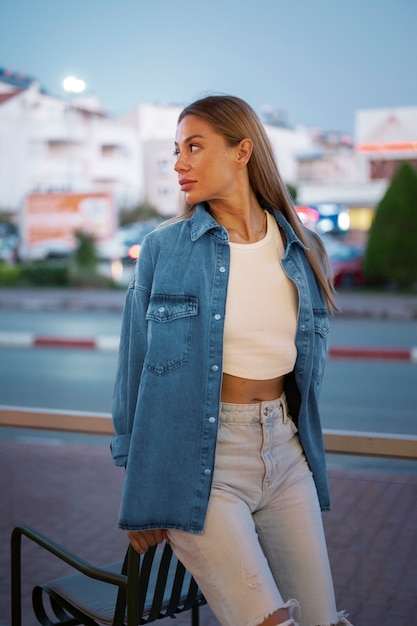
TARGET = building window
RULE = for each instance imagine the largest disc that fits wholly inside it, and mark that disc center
(384, 169)
(58, 148)
(111, 150)
(163, 165)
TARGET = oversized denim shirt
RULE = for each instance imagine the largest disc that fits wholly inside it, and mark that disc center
(167, 392)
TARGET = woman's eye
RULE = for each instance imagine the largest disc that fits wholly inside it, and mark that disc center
(192, 148)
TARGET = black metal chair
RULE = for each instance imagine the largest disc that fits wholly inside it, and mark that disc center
(138, 590)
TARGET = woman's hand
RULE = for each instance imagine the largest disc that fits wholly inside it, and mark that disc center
(142, 540)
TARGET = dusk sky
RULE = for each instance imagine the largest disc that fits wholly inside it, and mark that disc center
(316, 60)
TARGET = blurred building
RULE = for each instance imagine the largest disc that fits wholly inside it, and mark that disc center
(385, 138)
(154, 127)
(359, 175)
(52, 144)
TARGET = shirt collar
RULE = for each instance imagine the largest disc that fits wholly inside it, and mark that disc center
(201, 221)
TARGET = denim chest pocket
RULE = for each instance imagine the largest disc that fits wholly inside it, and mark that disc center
(321, 337)
(169, 319)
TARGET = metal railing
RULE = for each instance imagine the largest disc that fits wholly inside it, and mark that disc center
(384, 445)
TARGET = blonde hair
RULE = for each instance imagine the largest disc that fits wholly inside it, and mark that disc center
(233, 118)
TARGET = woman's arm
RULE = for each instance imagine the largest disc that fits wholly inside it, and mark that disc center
(132, 351)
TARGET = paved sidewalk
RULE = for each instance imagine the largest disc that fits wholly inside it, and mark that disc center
(71, 492)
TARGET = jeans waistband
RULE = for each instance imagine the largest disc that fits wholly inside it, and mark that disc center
(257, 413)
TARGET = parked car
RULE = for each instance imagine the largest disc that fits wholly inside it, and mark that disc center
(326, 217)
(346, 261)
(9, 242)
(308, 216)
(124, 245)
(118, 255)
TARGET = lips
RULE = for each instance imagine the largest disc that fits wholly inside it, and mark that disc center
(185, 183)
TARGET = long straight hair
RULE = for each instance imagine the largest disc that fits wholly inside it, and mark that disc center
(233, 118)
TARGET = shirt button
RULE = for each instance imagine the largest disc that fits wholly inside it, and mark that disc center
(212, 420)
(161, 309)
(215, 368)
(217, 316)
(302, 327)
(222, 269)
(207, 472)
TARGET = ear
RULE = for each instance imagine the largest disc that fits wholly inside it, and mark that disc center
(244, 152)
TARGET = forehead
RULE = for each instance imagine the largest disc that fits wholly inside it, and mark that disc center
(192, 126)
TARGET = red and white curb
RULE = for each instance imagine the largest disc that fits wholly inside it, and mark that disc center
(110, 343)
(28, 340)
(380, 354)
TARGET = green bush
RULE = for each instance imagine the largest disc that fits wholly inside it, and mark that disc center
(51, 273)
(83, 265)
(9, 274)
(85, 256)
(391, 253)
(81, 270)
(35, 274)
(44, 274)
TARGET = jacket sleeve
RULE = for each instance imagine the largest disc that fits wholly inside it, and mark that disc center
(132, 352)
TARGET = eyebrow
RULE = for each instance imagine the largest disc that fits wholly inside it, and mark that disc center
(190, 138)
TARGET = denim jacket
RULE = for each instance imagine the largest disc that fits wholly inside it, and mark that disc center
(167, 392)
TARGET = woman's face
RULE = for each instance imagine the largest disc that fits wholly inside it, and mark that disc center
(206, 166)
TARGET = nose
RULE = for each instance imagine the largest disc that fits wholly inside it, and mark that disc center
(180, 163)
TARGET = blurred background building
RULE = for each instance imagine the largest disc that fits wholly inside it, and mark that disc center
(56, 144)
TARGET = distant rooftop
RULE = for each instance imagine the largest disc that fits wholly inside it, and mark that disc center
(6, 96)
(17, 80)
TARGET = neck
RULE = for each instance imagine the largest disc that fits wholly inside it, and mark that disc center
(243, 226)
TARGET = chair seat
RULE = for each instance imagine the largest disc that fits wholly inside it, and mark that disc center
(137, 590)
(98, 599)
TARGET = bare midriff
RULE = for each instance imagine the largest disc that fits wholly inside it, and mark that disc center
(237, 390)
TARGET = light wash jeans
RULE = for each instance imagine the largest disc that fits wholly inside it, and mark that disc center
(263, 544)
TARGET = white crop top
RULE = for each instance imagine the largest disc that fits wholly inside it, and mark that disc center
(261, 310)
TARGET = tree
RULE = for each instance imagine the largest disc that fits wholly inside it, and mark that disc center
(85, 256)
(391, 253)
(83, 268)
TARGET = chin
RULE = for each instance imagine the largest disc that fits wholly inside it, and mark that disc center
(193, 198)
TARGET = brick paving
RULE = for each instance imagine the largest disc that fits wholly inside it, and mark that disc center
(70, 491)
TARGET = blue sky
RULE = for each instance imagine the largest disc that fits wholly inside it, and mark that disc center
(316, 60)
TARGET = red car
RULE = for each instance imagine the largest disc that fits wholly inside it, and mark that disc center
(346, 261)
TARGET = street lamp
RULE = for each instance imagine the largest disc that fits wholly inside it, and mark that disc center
(72, 85)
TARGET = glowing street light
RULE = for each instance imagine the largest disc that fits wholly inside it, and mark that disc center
(71, 84)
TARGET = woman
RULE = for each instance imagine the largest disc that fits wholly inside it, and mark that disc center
(222, 353)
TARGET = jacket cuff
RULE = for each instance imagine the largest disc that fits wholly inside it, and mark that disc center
(120, 449)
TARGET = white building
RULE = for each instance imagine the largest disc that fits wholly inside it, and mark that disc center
(155, 127)
(290, 145)
(384, 138)
(53, 144)
(56, 144)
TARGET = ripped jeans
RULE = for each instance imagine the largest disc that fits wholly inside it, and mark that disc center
(263, 545)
